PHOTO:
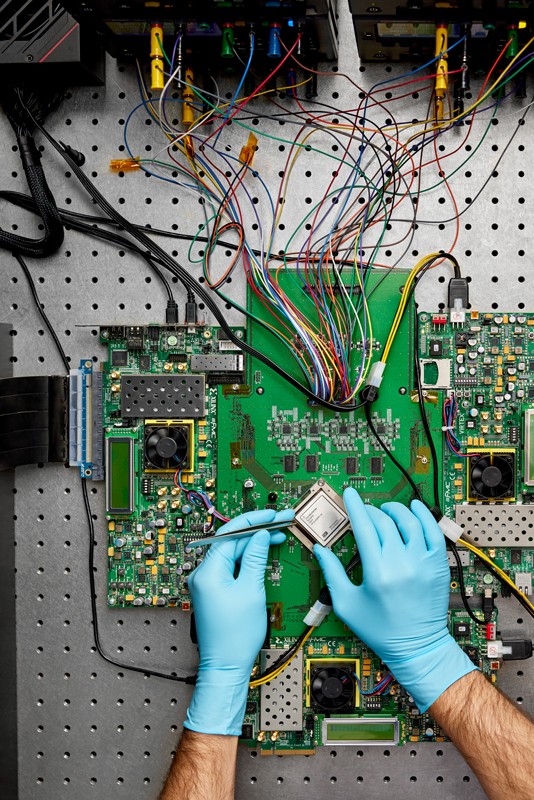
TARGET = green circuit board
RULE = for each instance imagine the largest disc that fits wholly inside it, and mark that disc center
(253, 441)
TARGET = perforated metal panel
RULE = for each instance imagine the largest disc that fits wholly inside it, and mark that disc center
(88, 729)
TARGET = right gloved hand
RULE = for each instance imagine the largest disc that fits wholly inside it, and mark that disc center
(400, 609)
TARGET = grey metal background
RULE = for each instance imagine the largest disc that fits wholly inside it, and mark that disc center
(87, 729)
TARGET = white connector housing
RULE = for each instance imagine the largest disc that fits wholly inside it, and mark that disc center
(317, 613)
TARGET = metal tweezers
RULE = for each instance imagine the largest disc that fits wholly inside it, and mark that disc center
(241, 533)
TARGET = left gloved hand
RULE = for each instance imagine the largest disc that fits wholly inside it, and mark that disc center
(231, 622)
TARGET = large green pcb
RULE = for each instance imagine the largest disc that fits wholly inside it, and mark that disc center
(186, 415)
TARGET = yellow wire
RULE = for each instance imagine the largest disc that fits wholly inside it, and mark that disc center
(271, 676)
(506, 578)
(403, 301)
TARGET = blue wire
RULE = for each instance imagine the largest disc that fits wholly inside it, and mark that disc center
(239, 85)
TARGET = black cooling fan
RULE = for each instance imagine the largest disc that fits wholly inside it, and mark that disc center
(166, 447)
(491, 477)
(332, 689)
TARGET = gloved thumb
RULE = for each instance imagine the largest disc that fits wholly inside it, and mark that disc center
(254, 559)
(334, 571)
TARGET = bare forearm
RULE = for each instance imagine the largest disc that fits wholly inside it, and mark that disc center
(494, 737)
(203, 767)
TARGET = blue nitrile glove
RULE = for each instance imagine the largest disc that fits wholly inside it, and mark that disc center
(231, 623)
(400, 609)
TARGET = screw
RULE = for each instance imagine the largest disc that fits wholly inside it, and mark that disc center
(29, 58)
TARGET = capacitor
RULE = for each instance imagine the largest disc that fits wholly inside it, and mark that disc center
(119, 541)
(186, 509)
(148, 551)
(199, 551)
(179, 570)
(507, 396)
(248, 484)
(187, 565)
(461, 370)
(473, 412)
(472, 371)
(460, 358)
(172, 340)
(510, 386)
(512, 318)
(111, 601)
(480, 349)
(149, 535)
(471, 342)
(488, 579)
(429, 731)
(160, 523)
(148, 601)
(161, 601)
(472, 355)
(138, 601)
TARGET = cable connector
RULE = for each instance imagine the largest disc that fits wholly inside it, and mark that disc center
(191, 313)
(450, 529)
(317, 613)
(171, 312)
(124, 165)
(510, 649)
(77, 156)
(369, 392)
(488, 604)
(458, 300)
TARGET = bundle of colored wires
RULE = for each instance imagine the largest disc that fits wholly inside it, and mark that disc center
(381, 687)
(201, 499)
(450, 411)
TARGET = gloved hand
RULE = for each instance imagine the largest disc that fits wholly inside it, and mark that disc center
(231, 623)
(400, 609)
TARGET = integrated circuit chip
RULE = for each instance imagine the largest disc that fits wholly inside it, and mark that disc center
(377, 465)
(290, 463)
(119, 358)
(351, 465)
(320, 517)
(312, 463)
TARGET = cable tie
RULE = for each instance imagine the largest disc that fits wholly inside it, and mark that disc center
(447, 427)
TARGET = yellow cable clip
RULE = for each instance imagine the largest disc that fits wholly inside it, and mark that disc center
(248, 150)
(156, 54)
(442, 37)
(124, 164)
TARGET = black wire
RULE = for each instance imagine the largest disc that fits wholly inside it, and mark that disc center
(424, 418)
(189, 280)
(96, 632)
(41, 311)
(461, 584)
(387, 451)
(191, 679)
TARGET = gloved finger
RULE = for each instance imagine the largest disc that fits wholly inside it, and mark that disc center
(333, 570)
(219, 562)
(386, 529)
(407, 523)
(434, 538)
(277, 537)
(254, 560)
(363, 528)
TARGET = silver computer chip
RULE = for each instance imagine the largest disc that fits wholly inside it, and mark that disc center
(320, 517)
